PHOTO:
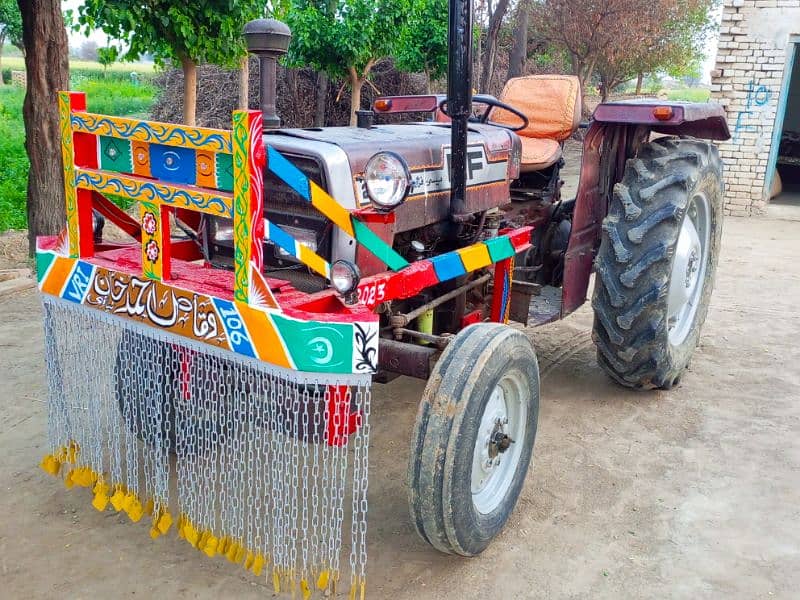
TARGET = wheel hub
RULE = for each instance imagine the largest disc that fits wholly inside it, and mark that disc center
(496, 456)
(688, 270)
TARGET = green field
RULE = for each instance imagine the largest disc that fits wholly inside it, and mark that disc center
(113, 94)
(17, 63)
(689, 95)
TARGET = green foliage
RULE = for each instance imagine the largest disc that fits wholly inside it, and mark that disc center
(107, 56)
(10, 23)
(200, 31)
(335, 36)
(109, 96)
(422, 40)
(14, 173)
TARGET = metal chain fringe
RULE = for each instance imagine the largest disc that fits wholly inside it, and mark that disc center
(261, 455)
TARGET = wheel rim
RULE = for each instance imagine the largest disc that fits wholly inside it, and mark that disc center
(688, 270)
(495, 458)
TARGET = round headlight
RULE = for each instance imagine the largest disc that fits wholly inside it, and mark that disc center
(387, 180)
(344, 276)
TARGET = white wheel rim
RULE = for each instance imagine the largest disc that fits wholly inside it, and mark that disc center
(493, 470)
(688, 270)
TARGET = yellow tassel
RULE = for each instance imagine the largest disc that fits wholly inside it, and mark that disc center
(201, 543)
(192, 536)
(164, 522)
(149, 507)
(231, 550)
(258, 565)
(363, 588)
(118, 499)
(240, 553)
(210, 548)
(352, 595)
(135, 510)
(305, 589)
(154, 532)
(322, 580)
(276, 581)
(248, 561)
(68, 482)
(50, 465)
(224, 544)
(100, 501)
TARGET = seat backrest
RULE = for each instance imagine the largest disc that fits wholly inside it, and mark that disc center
(552, 104)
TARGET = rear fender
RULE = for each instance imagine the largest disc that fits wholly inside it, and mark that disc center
(617, 130)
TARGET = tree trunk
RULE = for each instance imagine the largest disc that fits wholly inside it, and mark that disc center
(2, 43)
(189, 90)
(356, 83)
(639, 81)
(519, 51)
(47, 66)
(427, 88)
(244, 81)
(322, 99)
(490, 48)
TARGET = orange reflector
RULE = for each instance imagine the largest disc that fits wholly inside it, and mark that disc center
(663, 113)
(383, 104)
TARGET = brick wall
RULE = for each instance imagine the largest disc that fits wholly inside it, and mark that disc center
(751, 59)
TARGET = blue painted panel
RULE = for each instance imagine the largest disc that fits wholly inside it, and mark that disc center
(448, 266)
(78, 282)
(173, 164)
(283, 239)
(234, 327)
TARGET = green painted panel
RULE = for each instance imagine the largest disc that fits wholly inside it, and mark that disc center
(500, 248)
(43, 262)
(115, 155)
(378, 247)
(317, 347)
(224, 170)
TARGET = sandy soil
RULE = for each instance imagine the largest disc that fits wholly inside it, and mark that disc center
(692, 493)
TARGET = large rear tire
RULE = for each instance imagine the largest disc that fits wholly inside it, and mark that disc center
(473, 438)
(657, 260)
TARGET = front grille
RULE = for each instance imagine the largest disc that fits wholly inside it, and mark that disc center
(284, 207)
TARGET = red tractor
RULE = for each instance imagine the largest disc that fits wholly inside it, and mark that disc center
(313, 261)
(647, 219)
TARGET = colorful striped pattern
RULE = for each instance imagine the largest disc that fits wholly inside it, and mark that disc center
(477, 256)
(297, 250)
(324, 203)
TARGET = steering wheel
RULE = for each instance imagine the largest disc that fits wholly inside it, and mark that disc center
(491, 102)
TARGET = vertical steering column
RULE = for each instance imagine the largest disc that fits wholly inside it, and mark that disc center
(459, 99)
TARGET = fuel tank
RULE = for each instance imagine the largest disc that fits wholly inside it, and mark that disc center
(493, 159)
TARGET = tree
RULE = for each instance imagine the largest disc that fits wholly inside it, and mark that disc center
(519, 49)
(107, 56)
(88, 51)
(47, 66)
(10, 28)
(422, 40)
(347, 41)
(667, 35)
(489, 46)
(188, 33)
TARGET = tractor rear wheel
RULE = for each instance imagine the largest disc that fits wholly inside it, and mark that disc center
(473, 438)
(656, 264)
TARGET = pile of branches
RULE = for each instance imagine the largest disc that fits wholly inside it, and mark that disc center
(218, 92)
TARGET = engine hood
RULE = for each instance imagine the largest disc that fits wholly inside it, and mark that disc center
(493, 161)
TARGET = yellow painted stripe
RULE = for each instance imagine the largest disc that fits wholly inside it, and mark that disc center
(323, 202)
(314, 261)
(57, 276)
(264, 336)
(475, 257)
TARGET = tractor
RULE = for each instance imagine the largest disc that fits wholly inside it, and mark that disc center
(275, 273)
(647, 220)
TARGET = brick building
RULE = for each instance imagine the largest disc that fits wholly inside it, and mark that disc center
(757, 79)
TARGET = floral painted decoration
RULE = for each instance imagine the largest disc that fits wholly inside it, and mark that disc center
(152, 250)
(149, 224)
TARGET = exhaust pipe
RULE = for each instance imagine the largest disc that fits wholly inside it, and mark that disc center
(459, 100)
(268, 39)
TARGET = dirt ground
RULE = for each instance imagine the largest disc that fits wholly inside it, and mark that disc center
(692, 493)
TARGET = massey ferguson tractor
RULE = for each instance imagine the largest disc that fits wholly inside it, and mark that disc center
(275, 273)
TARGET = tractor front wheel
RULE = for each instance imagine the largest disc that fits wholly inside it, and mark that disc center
(473, 438)
(656, 264)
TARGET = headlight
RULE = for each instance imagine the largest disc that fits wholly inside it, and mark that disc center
(344, 277)
(223, 229)
(387, 180)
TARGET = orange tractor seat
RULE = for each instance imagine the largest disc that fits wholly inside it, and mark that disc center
(552, 104)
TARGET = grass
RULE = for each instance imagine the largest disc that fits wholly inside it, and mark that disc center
(17, 63)
(107, 95)
(689, 95)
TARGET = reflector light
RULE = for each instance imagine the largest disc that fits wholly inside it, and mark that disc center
(663, 113)
(383, 104)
